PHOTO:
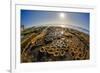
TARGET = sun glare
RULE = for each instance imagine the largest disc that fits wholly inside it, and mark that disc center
(62, 15)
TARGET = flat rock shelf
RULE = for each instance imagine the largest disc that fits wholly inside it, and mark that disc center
(53, 43)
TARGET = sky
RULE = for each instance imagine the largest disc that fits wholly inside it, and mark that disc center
(31, 18)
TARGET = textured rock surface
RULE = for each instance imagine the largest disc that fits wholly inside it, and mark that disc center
(44, 44)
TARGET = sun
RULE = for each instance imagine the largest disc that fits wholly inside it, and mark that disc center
(61, 15)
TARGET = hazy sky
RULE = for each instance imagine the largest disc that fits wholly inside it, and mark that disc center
(34, 18)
